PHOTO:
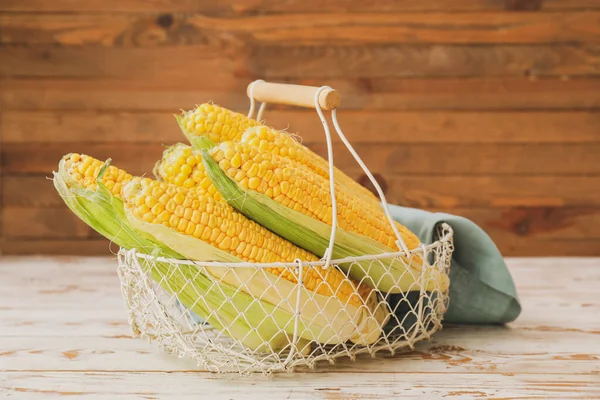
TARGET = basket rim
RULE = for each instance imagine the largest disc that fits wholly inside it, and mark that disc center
(422, 249)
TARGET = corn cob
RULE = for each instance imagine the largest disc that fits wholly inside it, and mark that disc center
(219, 225)
(282, 180)
(290, 200)
(218, 304)
(214, 222)
(216, 229)
(81, 170)
(297, 187)
(213, 122)
(294, 187)
(182, 166)
(220, 125)
(85, 169)
(282, 144)
(179, 164)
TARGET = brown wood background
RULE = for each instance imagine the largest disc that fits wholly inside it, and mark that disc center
(484, 108)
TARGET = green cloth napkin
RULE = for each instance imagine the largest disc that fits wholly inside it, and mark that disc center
(482, 290)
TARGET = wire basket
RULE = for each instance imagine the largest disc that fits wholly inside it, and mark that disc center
(290, 326)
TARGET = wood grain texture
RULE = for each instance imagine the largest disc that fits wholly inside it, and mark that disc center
(487, 107)
(126, 30)
(272, 62)
(524, 5)
(42, 223)
(123, 353)
(58, 246)
(388, 60)
(76, 128)
(366, 93)
(1, 183)
(30, 190)
(231, 7)
(57, 342)
(253, 7)
(329, 386)
(29, 200)
(469, 159)
(415, 159)
(495, 191)
(573, 4)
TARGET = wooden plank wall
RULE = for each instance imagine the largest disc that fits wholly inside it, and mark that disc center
(484, 108)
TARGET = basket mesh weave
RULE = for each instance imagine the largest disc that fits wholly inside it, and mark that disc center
(156, 314)
(288, 327)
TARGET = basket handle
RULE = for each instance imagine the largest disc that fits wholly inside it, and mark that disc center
(318, 98)
(293, 95)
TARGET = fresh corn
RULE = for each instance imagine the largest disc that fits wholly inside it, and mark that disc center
(178, 165)
(103, 210)
(85, 169)
(284, 145)
(215, 123)
(297, 207)
(208, 229)
(219, 124)
(219, 225)
(282, 180)
(299, 188)
(294, 202)
(182, 166)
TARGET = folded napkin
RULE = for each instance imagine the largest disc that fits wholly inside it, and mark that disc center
(482, 290)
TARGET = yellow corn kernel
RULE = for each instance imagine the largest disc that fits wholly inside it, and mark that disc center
(85, 170)
(190, 175)
(217, 123)
(302, 190)
(254, 243)
(280, 143)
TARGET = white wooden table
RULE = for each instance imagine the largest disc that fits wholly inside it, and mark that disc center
(64, 334)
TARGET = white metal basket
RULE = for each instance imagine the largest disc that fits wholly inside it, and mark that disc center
(395, 321)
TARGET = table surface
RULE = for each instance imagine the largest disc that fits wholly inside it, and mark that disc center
(65, 333)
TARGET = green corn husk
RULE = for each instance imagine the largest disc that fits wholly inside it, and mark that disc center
(324, 319)
(221, 305)
(259, 325)
(389, 274)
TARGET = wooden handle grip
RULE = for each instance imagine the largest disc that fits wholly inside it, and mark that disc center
(294, 95)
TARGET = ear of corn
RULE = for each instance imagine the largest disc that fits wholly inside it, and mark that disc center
(295, 203)
(285, 181)
(83, 183)
(220, 304)
(346, 316)
(256, 171)
(214, 123)
(284, 145)
(210, 124)
(203, 229)
(183, 166)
